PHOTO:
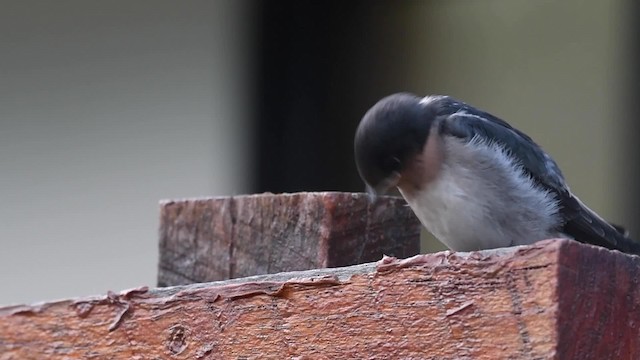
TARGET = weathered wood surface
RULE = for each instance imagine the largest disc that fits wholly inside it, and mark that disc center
(552, 300)
(227, 237)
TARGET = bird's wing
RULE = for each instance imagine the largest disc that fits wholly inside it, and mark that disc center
(466, 122)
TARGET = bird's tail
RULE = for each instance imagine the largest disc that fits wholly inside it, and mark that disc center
(621, 229)
(588, 227)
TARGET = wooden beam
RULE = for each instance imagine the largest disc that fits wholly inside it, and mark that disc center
(227, 237)
(553, 300)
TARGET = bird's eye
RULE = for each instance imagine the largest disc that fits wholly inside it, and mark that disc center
(391, 164)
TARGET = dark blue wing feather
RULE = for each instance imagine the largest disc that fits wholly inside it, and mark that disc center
(466, 122)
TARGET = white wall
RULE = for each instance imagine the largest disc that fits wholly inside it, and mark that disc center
(106, 107)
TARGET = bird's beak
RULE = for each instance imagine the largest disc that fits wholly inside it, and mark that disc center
(383, 186)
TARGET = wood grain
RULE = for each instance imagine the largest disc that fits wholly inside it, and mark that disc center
(557, 299)
(598, 304)
(227, 237)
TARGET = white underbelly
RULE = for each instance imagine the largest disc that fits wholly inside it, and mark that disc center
(455, 218)
(480, 200)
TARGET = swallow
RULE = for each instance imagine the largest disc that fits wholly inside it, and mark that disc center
(474, 181)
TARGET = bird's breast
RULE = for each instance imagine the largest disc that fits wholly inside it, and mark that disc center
(481, 198)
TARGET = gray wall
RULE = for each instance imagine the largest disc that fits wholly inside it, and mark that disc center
(106, 107)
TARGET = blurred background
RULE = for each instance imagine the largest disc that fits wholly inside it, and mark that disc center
(108, 107)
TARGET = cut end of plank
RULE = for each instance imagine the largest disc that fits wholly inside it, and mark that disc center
(221, 238)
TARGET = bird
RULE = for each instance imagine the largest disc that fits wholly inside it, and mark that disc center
(474, 181)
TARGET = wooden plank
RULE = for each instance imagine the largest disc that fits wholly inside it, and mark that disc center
(226, 237)
(598, 304)
(552, 300)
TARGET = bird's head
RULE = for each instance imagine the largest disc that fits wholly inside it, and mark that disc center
(388, 138)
